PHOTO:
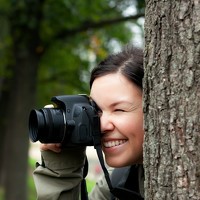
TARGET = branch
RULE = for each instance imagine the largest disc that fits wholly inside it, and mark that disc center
(95, 25)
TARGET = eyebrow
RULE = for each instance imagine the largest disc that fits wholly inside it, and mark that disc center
(115, 103)
(121, 102)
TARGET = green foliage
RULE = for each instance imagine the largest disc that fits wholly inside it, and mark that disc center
(71, 14)
(58, 42)
(64, 63)
(67, 42)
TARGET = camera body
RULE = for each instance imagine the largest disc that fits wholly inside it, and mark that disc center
(73, 121)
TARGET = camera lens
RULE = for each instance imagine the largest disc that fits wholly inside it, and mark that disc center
(36, 123)
(47, 125)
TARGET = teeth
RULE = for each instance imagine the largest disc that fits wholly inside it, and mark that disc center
(114, 143)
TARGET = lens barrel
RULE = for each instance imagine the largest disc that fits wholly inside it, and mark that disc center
(47, 125)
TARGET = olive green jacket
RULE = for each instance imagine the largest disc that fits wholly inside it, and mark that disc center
(60, 174)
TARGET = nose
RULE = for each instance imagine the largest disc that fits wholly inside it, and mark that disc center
(106, 122)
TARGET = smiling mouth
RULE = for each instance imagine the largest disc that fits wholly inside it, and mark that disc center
(113, 143)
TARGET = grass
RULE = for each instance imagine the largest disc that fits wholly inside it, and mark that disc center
(1, 193)
(31, 187)
(90, 185)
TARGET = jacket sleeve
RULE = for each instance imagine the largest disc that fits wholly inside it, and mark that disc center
(60, 174)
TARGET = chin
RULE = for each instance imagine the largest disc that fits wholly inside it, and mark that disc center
(116, 163)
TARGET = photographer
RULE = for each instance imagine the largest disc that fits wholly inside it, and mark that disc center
(116, 88)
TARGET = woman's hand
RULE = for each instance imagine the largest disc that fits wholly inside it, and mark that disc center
(52, 147)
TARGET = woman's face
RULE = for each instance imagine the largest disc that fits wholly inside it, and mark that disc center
(120, 102)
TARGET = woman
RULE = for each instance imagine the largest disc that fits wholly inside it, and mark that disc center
(116, 88)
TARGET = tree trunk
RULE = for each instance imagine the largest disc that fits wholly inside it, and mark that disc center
(172, 100)
(3, 109)
(20, 96)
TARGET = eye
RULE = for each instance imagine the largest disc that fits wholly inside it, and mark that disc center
(119, 110)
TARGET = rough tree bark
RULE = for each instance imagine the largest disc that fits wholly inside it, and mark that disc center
(172, 100)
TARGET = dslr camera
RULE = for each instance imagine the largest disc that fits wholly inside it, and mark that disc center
(72, 120)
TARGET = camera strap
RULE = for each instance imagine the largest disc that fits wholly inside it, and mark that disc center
(97, 145)
(84, 193)
(105, 171)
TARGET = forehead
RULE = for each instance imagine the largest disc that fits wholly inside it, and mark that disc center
(113, 87)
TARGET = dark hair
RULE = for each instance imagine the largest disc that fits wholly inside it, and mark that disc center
(128, 62)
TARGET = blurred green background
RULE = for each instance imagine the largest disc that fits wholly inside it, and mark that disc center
(48, 48)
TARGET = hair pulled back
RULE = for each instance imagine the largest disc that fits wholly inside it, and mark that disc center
(129, 62)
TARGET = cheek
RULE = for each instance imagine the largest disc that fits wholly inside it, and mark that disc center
(131, 126)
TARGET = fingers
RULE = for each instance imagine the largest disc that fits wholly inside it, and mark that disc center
(52, 147)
